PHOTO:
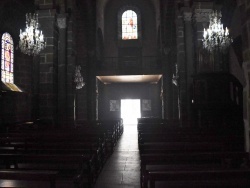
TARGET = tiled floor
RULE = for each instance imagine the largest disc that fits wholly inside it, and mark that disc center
(122, 170)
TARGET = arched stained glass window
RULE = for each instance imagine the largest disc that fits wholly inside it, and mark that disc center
(129, 25)
(7, 59)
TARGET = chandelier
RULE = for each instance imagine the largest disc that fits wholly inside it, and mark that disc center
(216, 37)
(78, 78)
(32, 39)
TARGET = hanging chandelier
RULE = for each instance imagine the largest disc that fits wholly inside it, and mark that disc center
(78, 78)
(32, 39)
(216, 37)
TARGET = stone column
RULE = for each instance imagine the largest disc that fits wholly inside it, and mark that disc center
(244, 7)
(71, 62)
(48, 68)
(62, 69)
(246, 104)
(35, 88)
(201, 21)
(97, 100)
(181, 64)
(189, 46)
(167, 86)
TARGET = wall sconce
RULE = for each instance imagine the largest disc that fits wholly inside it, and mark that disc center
(78, 78)
(175, 78)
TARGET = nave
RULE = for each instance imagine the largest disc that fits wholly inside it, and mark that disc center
(122, 169)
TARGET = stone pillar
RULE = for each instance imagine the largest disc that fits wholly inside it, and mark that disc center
(181, 64)
(35, 88)
(189, 46)
(246, 105)
(62, 69)
(167, 91)
(244, 7)
(169, 56)
(97, 100)
(71, 62)
(201, 21)
(48, 67)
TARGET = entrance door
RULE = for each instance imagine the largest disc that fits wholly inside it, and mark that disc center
(130, 110)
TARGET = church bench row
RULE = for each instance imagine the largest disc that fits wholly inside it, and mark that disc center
(110, 134)
(179, 147)
(175, 149)
(112, 128)
(166, 128)
(155, 162)
(88, 141)
(73, 168)
(76, 136)
(191, 142)
(113, 125)
(95, 148)
(158, 133)
(39, 176)
(183, 137)
(46, 147)
(200, 179)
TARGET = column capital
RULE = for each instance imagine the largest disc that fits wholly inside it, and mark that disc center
(61, 22)
(187, 16)
(202, 15)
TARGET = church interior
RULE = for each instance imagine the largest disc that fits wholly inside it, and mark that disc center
(131, 93)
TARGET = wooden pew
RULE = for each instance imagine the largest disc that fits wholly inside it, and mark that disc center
(95, 142)
(29, 175)
(173, 149)
(110, 135)
(200, 179)
(179, 147)
(87, 149)
(73, 168)
(26, 142)
(190, 161)
(229, 142)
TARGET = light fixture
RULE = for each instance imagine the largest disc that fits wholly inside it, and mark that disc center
(78, 78)
(216, 37)
(175, 78)
(32, 39)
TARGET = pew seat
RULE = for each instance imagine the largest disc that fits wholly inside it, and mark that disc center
(43, 177)
(200, 179)
(76, 169)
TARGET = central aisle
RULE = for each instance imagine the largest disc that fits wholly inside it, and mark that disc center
(122, 170)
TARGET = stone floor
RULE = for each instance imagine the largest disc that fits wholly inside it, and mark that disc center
(122, 170)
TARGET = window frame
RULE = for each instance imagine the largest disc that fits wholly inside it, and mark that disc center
(8, 86)
(11, 60)
(131, 29)
(120, 13)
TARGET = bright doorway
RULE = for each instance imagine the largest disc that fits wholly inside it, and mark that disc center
(130, 111)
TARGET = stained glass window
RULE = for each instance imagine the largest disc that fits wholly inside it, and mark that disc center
(129, 25)
(7, 59)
